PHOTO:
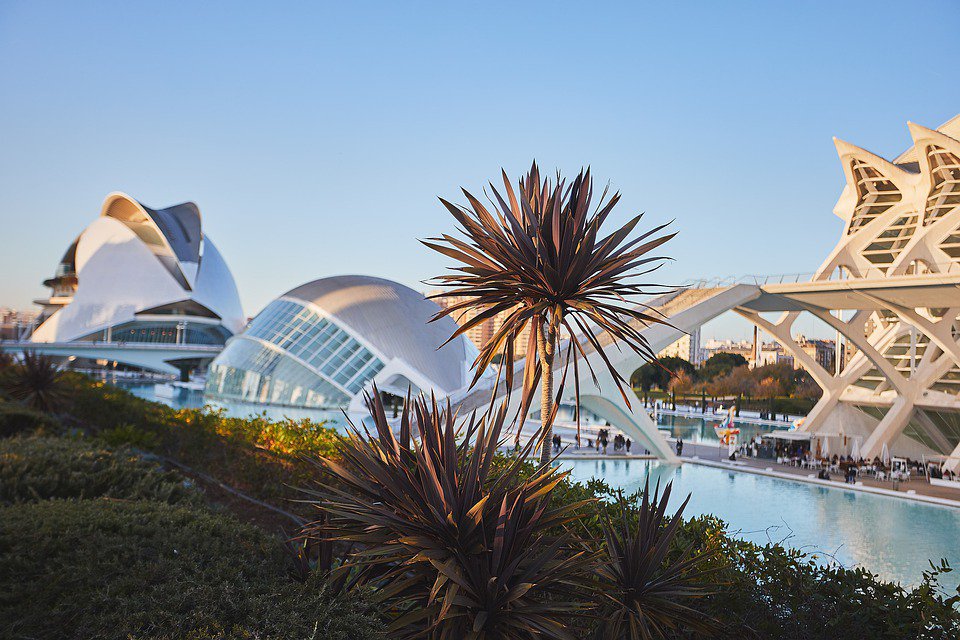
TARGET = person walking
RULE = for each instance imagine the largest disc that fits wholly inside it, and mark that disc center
(679, 446)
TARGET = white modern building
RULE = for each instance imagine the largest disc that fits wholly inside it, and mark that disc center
(891, 291)
(141, 286)
(325, 342)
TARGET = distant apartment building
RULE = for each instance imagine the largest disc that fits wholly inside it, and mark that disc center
(483, 332)
(686, 348)
(823, 351)
(714, 346)
(13, 323)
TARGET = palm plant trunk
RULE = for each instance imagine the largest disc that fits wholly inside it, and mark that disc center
(546, 345)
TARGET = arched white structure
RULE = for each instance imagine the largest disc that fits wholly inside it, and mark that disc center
(325, 342)
(686, 310)
(895, 303)
(138, 275)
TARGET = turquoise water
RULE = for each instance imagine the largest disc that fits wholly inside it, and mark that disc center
(892, 537)
(695, 429)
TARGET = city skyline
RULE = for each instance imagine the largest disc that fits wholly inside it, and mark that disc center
(289, 142)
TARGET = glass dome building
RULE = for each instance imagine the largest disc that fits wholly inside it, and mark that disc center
(321, 344)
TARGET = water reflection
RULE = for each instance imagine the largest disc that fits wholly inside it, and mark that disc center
(700, 429)
(889, 536)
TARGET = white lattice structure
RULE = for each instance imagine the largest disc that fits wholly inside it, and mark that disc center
(891, 288)
(901, 231)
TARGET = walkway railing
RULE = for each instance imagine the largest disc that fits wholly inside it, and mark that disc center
(93, 344)
(793, 278)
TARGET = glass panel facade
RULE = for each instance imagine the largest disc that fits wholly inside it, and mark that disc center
(334, 365)
(162, 333)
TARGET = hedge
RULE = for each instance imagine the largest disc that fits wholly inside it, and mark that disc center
(112, 569)
(16, 419)
(39, 468)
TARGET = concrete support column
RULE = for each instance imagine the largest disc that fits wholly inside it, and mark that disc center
(818, 414)
(889, 428)
(953, 464)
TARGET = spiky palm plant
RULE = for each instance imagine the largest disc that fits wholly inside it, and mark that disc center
(36, 381)
(453, 550)
(539, 255)
(645, 593)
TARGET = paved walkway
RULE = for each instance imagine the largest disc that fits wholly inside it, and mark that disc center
(914, 489)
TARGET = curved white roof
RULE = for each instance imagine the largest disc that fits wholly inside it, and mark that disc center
(134, 260)
(395, 320)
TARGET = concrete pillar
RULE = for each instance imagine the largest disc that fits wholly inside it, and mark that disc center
(889, 428)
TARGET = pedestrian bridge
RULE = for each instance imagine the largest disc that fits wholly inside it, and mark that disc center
(165, 358)
(685, 309)
(756, 298)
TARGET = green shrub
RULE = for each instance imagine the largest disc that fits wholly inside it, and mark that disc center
(108, 569)
(127, 434)
(17, 419)
(260, 457)
(43, 468)
(771, 591)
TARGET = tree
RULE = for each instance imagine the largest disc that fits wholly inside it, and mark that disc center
(681, 383)
(770, 387)
(721, 363)
(738, 381)
(658, 374)
(539, 257)
(782, 373)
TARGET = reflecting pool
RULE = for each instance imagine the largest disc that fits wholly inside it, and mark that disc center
(181, 398)
(696, 429)
(892, 537)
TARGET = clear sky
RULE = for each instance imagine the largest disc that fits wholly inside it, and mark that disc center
(315, 138)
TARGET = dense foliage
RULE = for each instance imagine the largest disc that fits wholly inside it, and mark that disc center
(39, 468)
(726, 375)
(462, 543)
(189, 569)
(256, 455)
(15, 419)
(117, 569)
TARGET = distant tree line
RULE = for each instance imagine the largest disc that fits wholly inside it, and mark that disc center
(724, 375)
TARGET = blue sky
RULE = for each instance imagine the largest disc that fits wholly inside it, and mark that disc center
(316, 138)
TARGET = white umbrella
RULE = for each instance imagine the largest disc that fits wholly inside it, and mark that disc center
(885, 455)
(826, 446)
(855, 454)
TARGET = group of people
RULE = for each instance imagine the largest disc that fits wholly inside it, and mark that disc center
(557, 442)
(620, 443)
(936, 471)
(852, 468)
(751, 448)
